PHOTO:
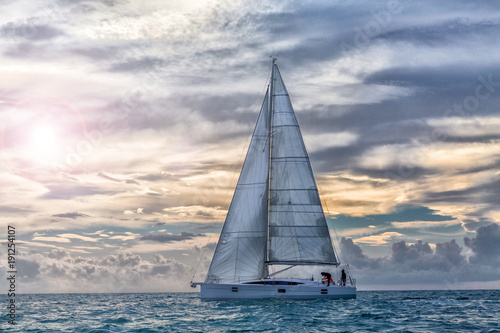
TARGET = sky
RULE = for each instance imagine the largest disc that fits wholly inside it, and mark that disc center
(123, 126)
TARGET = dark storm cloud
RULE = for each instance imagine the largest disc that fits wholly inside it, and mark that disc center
(420, 256)
(451, 251)
(485, 246)
(429, 265)
(401, 252)
(356, 256)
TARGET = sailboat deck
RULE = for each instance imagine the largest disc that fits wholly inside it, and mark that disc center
(275, 288)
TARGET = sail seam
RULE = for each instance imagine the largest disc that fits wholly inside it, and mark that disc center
(275, 126)
(301, 263)
(296, 189)
(243, 232)
(299, 226)
(290, 157)
(292, 211)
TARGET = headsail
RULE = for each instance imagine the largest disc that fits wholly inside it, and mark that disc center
(241, 251)
(298, 233)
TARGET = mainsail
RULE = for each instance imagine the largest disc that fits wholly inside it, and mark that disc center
(298, 233)
(275, 216)
(241, 250)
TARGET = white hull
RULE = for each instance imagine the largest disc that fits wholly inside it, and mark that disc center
(258, 289)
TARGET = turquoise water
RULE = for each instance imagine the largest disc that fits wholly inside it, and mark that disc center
(372, 311)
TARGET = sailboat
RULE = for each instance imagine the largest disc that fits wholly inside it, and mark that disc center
(275, 218)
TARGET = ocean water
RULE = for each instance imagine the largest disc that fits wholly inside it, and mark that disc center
(372, 311)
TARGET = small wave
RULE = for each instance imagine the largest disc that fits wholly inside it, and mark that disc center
(413, 298)
(371, 315)
(119, 320)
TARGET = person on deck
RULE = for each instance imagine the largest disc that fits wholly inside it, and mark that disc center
(343, 278)
(326, 277)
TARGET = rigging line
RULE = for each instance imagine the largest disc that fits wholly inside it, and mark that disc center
(344, 257)
(227, 191)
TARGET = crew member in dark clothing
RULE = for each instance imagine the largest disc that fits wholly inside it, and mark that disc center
(328, 277)
(342, 278)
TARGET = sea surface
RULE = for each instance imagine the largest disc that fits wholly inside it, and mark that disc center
(372, 311)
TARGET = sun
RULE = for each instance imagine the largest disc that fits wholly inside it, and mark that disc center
(44, 140)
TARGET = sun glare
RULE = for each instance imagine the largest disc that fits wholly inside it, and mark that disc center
(43, 139)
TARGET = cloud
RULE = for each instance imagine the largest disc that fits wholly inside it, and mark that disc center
(402, 252)
(31, 31)
(168, 238)
(71, 191)
(383, 238)
(79, 237)
(155, 176)
(58, 254)
(485, 246)
(52, 239)
(356, 256)
(27, 270)
(72, 215)
(451, 251)
(122, 272)
(67, 238)
(126, 237)
(327, 140)
(423, 224)
(146, 63)
(195, 212)
(419, 265)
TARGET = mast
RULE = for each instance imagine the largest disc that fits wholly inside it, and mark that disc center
(271, 103)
